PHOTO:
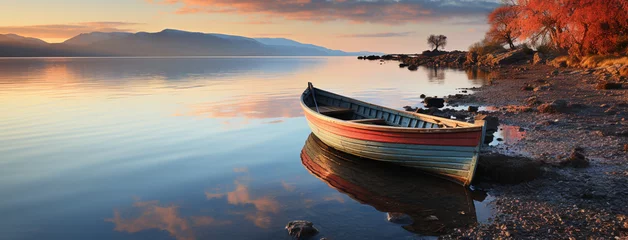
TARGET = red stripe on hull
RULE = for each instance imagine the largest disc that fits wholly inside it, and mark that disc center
(462, 139)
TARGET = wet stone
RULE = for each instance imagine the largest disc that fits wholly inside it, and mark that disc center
(301, 229)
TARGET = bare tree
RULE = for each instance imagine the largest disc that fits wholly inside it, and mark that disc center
(437, 41)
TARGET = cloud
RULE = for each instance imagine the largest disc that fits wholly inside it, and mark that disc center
(68, 30)
(380, 35)
(358, 11)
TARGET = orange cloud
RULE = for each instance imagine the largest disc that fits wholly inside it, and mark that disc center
(153, 216)
(68, 30)
(359, 11)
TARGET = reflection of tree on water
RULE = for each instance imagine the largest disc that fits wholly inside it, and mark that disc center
(478, 76)
(436, 74)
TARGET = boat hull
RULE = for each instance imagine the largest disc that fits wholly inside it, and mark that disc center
(448, 153)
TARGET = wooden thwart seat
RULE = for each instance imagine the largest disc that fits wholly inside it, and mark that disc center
(333, 110)
(369, 120)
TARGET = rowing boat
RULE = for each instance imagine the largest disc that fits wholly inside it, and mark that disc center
(439, 146)
(423, 204)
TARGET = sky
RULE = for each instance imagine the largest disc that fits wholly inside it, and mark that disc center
(390, 26)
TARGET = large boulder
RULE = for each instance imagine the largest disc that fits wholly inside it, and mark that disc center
(510, 57)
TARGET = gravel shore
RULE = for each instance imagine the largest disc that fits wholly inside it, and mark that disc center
(560, 114)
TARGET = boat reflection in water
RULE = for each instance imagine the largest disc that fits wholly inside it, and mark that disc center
(428, 205)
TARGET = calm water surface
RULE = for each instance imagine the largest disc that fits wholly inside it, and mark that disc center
(190, 148)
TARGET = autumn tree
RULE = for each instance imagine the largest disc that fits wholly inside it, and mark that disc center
(578, 27)
(437, 41)
(505, 27)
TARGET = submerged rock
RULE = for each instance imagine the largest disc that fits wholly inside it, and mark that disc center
(301, 229)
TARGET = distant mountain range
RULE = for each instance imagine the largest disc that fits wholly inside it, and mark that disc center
(168, 42)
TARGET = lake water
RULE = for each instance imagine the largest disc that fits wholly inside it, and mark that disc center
(194, 148)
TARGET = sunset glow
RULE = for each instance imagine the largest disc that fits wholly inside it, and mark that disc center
(383, 26)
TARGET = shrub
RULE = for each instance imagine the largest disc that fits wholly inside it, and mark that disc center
(594, 61)
(485, 47)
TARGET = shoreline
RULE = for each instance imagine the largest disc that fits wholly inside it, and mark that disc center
(564, 202)
(565, 115)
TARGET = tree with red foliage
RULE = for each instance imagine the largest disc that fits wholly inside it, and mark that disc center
(578, 27)
(504, 26)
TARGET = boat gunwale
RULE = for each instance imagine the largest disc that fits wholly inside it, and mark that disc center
(472, 128)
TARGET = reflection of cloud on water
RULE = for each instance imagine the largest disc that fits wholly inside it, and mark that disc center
(150, 215)
(248, 108)
(335, 197)
(265, 206)
(289, 187)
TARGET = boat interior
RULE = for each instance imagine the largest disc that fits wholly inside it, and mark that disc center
(348, 109)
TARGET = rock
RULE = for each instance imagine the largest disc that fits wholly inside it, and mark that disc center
(409, 108)
(301, 229)
(472, 58)
(527, 87)
(507, 169)
(532, 101)
(509, 57)
(539, 58)
(608, 85)
(402, 65)
(434, 102)
(464, 91)
(543, 87)
(431, 218)
(544, 123)
(611, 111)
(625, 147)
(557, 106)
(473, 109)
(398, 218)
(576, 159)
(623, 71)
(555, 72)
(413, 67)
(422, 96)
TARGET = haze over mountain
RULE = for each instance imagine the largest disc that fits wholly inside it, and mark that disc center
(168, 42)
